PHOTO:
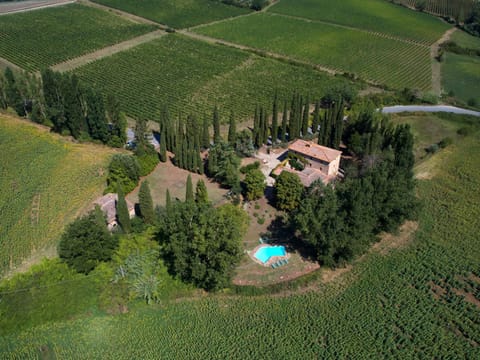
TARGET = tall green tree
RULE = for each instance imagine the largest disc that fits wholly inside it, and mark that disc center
(217, 137)
(283, 131)
(96, 119)
(288, 191)
(117, 121)
(201, 193)
(146, 203)
(189, 190)
(205, 133)
(163, 145)
(168, 200)
(316, 117)
(232, 130)
(305, 117)
(254, 184)
(274, 130)
(12, 93)
(123, 216)
(85, 243)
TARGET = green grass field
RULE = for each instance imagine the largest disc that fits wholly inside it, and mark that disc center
(374, 15)
(386, 61)
(461, 74)
(45, 172)
(192, 76)
(177, 13)
(418, 301)
(465, 40)
(40, 38)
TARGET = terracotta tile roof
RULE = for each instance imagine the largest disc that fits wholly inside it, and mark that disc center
(315, 151)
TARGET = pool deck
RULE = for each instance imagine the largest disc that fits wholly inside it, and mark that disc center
(270, 261)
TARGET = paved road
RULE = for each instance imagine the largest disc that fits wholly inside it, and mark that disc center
(20, 6)
(428, 108)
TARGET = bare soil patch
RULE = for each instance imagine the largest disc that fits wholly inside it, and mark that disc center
(395, 241)
(168, 176)
(436, 65)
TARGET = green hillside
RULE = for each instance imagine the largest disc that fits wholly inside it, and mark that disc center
(419, 300)
(45, 182)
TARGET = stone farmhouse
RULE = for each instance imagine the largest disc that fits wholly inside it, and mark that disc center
(322, 162)
(108, 204)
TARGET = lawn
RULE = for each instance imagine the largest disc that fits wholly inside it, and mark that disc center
(37, 39)
(373, 15)
(461, 75)
(191, 77)
(177, 13)
(465, 40)
(45, 182)
(417, 301)
(376, 58)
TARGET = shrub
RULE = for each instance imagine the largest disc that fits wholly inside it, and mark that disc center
(245, 169)
(432, 149)
(445, 142)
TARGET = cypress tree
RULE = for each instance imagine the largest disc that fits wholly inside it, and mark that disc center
(283, 131)
(146, 203)
(256, 128)
(201, 194)
(292, 121)
(12, 94)
(205, 133)
(96, 119)
(232, 130)
(189, 191)
(274, 130)
(168, 201)
(185, 159)
(123, 217)
(265, 126)
(163, 145)
(217, 138)
(212, 164)
(306, 111)
(116, 119)
(316, 117)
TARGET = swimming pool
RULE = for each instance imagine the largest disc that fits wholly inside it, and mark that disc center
(266, 252)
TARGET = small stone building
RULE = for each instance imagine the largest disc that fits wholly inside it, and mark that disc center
(319, 157)
(108, 204)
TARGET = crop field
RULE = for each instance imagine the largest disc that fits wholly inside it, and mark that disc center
(192, 77)
(394, 63)
(44, 182)
(40, 38)
(418, 301)
(373, 15)
(465, 40)
(177, 13)
(452, 8)
(461, 74)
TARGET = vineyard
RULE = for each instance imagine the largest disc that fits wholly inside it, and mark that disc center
(192, 77)
(40, 38)
(461, 75)
(396, 64)
(420, 301)
(373, 15)
(37, 196)
(457, 9)
(177, 13)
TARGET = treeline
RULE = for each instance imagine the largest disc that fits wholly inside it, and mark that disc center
(64, 103)
(338, 222)
(251, 4)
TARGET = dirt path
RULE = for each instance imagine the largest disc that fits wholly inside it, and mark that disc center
(436, 65)
(107, 51)
(17, 6)
(123, 14)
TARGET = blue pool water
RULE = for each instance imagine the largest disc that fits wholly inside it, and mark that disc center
(266, 252)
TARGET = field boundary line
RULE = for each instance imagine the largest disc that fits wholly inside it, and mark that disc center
(371, 32)
(436, 65)
(107, 51)
(131, 17)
